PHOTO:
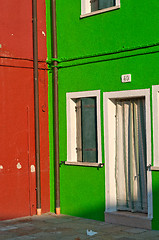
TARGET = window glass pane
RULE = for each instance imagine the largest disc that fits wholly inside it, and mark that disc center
(106, 3)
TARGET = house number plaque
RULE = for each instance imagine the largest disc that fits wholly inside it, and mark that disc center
(126, 78)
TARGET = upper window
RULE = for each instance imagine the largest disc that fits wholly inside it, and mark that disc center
(100, 4)
(83, 127)
(90, 7)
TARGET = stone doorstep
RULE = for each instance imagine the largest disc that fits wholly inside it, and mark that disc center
(135, 220)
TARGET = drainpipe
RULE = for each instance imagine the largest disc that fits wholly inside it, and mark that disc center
(36, 107)
(56, 119)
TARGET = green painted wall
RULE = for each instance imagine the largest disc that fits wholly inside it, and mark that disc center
(134, 24)
(155, 180)
(102, 48)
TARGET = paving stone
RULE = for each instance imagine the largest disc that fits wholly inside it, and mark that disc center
(23, 238)
(126, 238)
(23, 225)
(6, 236)
(7, 228)
(150, 234)
(135, 230)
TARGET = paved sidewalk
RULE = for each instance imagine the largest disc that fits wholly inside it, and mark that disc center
(49, 226)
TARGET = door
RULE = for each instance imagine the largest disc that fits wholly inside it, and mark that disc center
(130, 163)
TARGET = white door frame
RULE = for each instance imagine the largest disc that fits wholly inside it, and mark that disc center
(155, 105)
(109, 99)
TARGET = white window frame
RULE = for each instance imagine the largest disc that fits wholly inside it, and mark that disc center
(109, 99)
(86, 8)
(155, 108)
(71, 126)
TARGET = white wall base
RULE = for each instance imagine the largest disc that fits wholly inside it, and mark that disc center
(136, 220)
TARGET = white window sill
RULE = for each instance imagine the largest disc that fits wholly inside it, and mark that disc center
(153, 168)
(100, 11)
(86, 164)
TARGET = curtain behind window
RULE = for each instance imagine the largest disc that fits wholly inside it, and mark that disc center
(131, 180)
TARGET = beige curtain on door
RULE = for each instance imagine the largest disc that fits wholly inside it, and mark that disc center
(131, 172)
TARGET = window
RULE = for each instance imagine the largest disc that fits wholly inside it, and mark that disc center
(100, 4)
(90, 7)
(86, 129)
(83, 127)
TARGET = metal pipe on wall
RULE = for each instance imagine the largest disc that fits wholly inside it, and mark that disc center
(56, 119)
(36, 106)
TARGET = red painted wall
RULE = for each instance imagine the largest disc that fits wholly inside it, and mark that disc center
(17, 129)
